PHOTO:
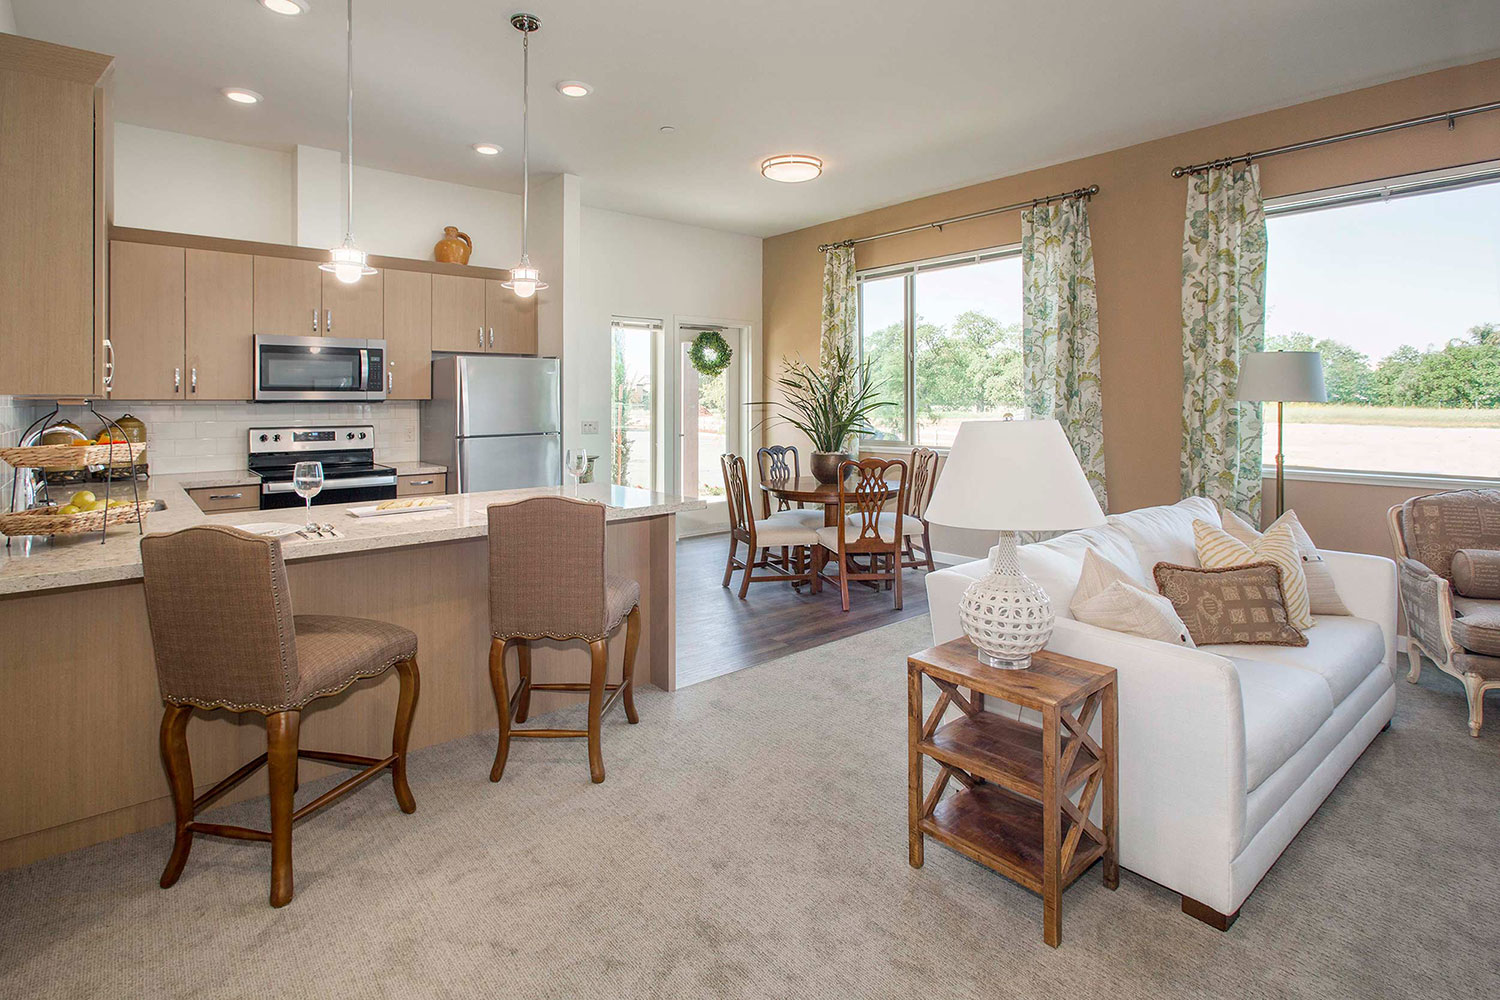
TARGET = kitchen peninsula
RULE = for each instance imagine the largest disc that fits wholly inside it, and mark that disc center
(78, 689)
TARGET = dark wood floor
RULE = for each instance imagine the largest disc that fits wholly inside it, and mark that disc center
(718, 633)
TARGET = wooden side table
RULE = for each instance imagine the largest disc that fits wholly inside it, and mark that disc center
(1023, 808)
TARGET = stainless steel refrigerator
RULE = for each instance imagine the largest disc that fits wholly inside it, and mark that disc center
(496, 423)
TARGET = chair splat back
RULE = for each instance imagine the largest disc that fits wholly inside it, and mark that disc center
(779, 465)
(863, 497)
(923, 478)
(737, 495)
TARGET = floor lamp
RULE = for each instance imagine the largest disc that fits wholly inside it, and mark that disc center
(1281, 377)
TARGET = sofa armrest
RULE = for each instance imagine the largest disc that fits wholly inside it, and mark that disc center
(1367, 586)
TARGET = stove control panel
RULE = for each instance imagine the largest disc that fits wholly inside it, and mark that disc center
(311, 438)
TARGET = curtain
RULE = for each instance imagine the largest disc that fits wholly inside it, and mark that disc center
(1223, 316)
(840, 303)
(1060, 330)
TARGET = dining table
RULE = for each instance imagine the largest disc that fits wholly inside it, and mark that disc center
(809, 490)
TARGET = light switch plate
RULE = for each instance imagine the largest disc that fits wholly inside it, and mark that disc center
(591, 427)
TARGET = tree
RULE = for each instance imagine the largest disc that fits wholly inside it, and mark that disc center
(1485, 334)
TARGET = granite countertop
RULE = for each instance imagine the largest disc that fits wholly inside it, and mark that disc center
(36, 564)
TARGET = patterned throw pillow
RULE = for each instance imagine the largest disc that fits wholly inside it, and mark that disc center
(1218, 549)
(1108, 597)
(1241, 604)
(1322, 596)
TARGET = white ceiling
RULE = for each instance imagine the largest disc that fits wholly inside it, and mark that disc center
(900, 99)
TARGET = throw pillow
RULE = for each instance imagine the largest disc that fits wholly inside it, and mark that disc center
(1243, 604)
(1217, 549)
(1322, 596)
(1109, 597)
(1476, 573)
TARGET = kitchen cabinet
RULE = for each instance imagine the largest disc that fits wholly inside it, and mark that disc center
(421, 484)
(510, 321)
(54, 172)
(217, 499)
(220, 318)
(353, 310)
(288, 297)
(408, 334)
(146, 321)
(458, 320)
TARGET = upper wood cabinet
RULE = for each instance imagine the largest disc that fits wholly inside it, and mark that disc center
(510, 321)
(288, 297)
(146, 321)
(408, 334)
(220, 320)
(458, 313)
(353, 310)
(54, 173)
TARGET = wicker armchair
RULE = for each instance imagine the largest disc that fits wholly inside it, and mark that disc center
(1448, 553)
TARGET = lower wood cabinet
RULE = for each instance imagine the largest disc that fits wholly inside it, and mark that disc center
(421, 484)
(216, 499)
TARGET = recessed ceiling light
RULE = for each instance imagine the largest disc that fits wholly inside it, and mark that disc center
(790, 168)
(487, 149)
(291, 8)
(667, 129)
(240, 95)
(574, 88)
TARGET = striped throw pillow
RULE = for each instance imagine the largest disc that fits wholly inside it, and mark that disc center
(1218, 549)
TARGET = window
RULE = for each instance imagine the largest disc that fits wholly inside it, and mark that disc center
(943, 339)
(633, 402)
(1398, 285)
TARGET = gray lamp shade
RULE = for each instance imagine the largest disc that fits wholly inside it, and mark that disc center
(1281, 377)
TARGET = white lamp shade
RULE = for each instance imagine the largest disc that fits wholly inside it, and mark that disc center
(1281, 377)
(1013, 475)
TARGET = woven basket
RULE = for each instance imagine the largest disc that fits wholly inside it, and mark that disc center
(45, 520)
(63, 456)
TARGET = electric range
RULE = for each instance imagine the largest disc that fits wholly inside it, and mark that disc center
(350, 473)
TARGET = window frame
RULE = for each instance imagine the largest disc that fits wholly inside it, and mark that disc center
(908, 272)
(1381, 190)
(657, 329)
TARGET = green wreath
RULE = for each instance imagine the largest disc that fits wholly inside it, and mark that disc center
(710, 353)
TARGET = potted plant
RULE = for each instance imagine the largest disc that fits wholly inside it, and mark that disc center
(830, 405)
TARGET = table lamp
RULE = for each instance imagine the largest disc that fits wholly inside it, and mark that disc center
(1281, 377)
(1010, 476)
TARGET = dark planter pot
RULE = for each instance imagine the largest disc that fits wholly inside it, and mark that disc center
(825, 465)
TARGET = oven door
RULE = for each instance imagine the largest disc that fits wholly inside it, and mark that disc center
(311, 368)
(353, 489)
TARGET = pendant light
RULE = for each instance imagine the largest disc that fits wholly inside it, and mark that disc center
(525, 280)
(347, 261)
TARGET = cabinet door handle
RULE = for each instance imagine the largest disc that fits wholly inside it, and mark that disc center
(315, 321)
(226, 496)
(481, 338)
(420, 482)
(492, 338)
(176, 379)
(328, 321)
(390, 378)
(109, 364)
(193, 378)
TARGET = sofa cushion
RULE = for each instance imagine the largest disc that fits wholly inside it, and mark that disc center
(1476, 625)
(1322, 594)
(1229, 604)
(1218, 549)
(1439, 524)
(1342, 651)
(1057, 562)
(1165, 534)
(1283, 708)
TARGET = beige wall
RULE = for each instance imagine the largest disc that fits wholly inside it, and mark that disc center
(1136, 222)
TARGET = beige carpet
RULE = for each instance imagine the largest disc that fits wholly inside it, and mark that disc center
(751, 842)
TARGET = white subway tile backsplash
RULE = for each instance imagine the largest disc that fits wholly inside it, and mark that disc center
(15, 416)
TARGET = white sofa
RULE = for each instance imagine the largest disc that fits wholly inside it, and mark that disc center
(1225, 751)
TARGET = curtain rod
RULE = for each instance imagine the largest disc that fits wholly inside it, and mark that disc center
(1448, 116)
(1083, 192)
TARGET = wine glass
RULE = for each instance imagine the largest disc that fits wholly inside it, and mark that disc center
(576, 462)
(307, 480)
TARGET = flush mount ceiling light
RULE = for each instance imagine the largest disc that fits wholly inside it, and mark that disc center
(574, 88)
(240, 95)
(525, 280)
(347, 261)
(791, 168)
(487, 149)
(667, 129)
(291, 8)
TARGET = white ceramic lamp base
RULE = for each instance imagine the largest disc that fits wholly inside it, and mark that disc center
(1006, 615)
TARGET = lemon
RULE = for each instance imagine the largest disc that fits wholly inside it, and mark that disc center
(69, 508)
(81, 498)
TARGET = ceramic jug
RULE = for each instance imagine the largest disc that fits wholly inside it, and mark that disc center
(454, 247)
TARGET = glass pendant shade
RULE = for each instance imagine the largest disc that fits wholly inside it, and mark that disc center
(347, 262)
(524, 280)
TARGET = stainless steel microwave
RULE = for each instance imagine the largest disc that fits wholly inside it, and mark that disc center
(319, 368)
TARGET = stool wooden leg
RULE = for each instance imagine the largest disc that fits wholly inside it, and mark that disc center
(502, 703)
(281, 761)
(174, 754)
(600, 650)
(411, 683)
(523, 658)
(632, 641)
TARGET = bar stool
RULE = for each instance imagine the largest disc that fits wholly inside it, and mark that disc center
(548, 581)
(225, 637)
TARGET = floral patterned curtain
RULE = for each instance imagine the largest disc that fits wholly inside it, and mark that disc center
(840, 303)
(1060, 330)
(1223, 315)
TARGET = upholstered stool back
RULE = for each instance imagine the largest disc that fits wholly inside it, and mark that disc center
(547, 577)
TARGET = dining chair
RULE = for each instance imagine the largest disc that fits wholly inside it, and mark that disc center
(924, 462)
(864, 528)
(780, 466)
(797, 540)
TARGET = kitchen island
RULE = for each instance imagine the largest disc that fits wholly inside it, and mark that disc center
(79, 704)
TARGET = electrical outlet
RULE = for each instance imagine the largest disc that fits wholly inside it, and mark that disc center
(409, 434)
(591, 427)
